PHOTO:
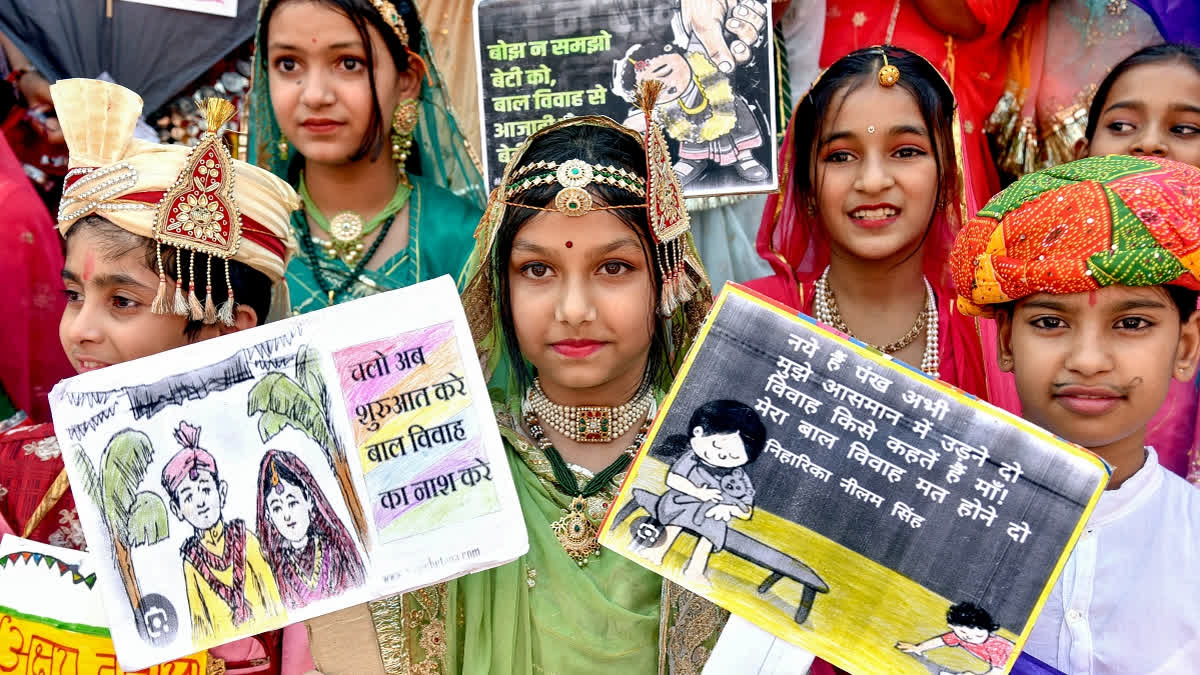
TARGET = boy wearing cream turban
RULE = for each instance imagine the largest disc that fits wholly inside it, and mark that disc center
(1091, 270)
(165, 246)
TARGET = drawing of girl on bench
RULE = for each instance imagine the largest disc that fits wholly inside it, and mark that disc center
(706, 484)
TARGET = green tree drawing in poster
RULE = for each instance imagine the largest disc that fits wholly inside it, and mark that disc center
(134, 518)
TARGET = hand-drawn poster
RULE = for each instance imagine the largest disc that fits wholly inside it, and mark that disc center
(416, 432)
(52, 619)
(247, 482)
(848, 503)
(541, 62)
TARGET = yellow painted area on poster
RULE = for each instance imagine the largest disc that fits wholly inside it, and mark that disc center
(28, 645)
(882, 598)
(865, 599)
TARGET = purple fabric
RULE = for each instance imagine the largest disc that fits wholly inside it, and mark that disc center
(1027, 665)
(1177, 20)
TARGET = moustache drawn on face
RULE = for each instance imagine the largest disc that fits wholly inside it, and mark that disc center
(1117, 390)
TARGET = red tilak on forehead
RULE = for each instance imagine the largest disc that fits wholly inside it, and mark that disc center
(1091, 298)
(89, 266)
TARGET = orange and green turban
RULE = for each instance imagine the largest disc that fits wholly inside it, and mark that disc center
(1133, 221)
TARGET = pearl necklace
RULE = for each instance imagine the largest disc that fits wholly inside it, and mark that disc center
(828, 313)
(590, 423)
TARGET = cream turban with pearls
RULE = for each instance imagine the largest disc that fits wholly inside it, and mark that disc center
(198, 200)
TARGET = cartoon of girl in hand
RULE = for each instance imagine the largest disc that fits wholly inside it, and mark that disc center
(706, 485)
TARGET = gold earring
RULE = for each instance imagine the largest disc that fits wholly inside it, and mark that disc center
(284, 150)
(404, 122)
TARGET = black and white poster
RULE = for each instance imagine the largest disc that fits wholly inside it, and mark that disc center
(543, 61)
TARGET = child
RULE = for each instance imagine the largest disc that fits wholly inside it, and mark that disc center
(229, 584)
(1090, 269)
(698, 108)
(576, 310)
(872, 199)
(1150, 105)
(113, 279)
(706, 485)
(302, 537)
(971, 628)
(349, 109)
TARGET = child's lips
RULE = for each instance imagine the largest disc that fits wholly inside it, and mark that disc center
(84, 365)
(577, 349)
(1088, 401)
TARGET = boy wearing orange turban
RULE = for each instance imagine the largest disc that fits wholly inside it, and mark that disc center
(1091, 270)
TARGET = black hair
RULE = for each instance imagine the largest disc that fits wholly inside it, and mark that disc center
(362, 14)
(970, 615)
(1185, 300)
(627, 72)
(1160, 53)
(726, 417)
(250, 286)
(861, 68)
(592, 144)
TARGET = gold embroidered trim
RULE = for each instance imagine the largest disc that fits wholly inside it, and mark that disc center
(390, 625)
(687, 622)
(395, 620)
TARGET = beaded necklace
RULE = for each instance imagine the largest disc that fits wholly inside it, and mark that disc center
(575, 533)
(827, 311)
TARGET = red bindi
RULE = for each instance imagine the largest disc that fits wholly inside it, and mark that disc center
(569, 244)
(1091, 298)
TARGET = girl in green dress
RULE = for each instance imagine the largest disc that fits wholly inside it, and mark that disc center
(348, 107)
(584, 294)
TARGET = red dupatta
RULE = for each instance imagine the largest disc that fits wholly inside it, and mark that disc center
(32, 293)
(794, 243)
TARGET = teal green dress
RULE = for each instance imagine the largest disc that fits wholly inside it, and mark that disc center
(441, 228)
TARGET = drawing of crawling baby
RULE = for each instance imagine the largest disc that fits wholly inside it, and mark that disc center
(706, 485)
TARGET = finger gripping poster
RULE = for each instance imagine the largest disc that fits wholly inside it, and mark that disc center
(262, 478)
(848, 503)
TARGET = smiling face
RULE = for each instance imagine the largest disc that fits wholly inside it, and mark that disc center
(582, 296)
(1152, 109)
(1094, 367)
(199, 501)
(290, 511)
(107, 319)
(723, 450)
(875, 174)
(320, 89)
(672, 70)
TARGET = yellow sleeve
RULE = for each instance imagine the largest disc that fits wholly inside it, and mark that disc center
(202, 627)
(259, 572)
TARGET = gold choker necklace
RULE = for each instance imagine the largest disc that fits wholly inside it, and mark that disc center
(590, 423)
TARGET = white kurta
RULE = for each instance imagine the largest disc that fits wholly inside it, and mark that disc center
(1128, 600)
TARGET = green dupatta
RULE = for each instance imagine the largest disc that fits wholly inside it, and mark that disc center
(446, 202)
(543, 613)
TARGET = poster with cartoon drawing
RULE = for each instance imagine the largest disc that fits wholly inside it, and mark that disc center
(848, 503)
(255, 480)
(542, 62)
